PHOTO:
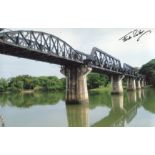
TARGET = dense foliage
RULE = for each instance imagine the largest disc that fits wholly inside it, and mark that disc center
(149, 71)
(96, 80)
(26, 82)
(3, 85)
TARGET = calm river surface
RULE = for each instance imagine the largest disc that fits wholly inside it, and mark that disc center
(49, 109)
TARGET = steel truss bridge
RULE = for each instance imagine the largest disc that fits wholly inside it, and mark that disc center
(49, 48)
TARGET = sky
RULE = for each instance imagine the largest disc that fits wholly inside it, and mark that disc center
(107, 39)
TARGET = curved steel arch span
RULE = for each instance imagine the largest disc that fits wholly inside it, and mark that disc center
(39, 46)
(102, 61)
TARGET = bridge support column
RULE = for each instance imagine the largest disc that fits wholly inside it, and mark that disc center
(138, 84)
(76, 83)
(117, 86)
(131, 84)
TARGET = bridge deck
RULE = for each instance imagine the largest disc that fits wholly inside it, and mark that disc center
(13, 50)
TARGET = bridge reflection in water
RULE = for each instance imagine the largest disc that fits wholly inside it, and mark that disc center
(116, 114)
(78, 115)
(124, 109)
(121, 109)
(143, 93)
(132, 96)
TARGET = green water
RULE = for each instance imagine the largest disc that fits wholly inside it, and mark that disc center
(49, 109)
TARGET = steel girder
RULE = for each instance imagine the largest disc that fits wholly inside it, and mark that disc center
(103, 60)
(42, 42)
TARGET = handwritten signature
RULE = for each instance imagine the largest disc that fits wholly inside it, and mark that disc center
(133, 34)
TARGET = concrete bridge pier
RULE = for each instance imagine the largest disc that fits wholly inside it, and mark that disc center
(131, 84)
(117, 86)
(76, 83)
(138, 84)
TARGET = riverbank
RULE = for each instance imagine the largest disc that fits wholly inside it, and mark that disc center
(109, 88)
(30, 91)
(101, 89)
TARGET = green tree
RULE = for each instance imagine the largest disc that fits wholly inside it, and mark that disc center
(16, 85)
(149, 71)
(3, 85)
(26, 82)
(96, 80)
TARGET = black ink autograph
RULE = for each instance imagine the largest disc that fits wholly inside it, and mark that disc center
(135, 33)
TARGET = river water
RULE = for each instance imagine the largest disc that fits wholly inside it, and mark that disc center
(134, 108)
